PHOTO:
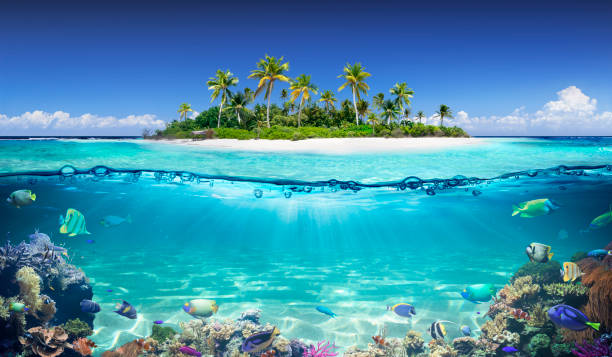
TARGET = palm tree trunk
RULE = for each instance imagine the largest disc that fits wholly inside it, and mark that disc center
(238, 114)
(372, 128)
(300, 113)
(441, 120)
(219, 118)
(269, 95)
(388, 120)
(355, 106)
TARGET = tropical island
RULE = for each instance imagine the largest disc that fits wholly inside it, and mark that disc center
(305, 111)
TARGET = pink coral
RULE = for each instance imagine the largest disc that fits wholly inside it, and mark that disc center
(598, 348)
(323, 350)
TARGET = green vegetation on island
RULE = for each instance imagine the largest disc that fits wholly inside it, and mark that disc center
(303, 110)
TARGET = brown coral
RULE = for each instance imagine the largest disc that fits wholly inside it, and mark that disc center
(522, 288)
(598, 278)
(494, 327)
(45, 342)
(439, 348)
(47, 309)
(130, 349)
(413, 343)
(538, 316)
(83, 346)
(464, 345)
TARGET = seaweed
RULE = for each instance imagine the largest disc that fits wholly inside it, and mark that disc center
(161, 334)
(77, 328)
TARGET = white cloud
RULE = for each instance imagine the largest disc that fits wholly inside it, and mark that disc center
(39, 122)
(574, 113)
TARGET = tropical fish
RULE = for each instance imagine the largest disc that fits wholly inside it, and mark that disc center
(73, 223)
(599, 253)
(535, 208)
(509, 349)
(89, 306)
(326, 311)
(90, 241)
(519, 314)
(190, 351)
(570, 318)
(478, 293)
(600, 221)
(562, 235)
(402, 309)
(125, 309)
(112, 221)
(259, 341)
(109, 290)
(21, 198)
(466, 330)
(158, 322)
(18, 307)
(538, 252)
(437, 330)
(201, 308)
(571, 271)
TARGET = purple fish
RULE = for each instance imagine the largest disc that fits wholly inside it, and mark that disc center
(158, 322)
(190, 351)
(90, 241)
(509, 349)
(478, 312)
(109, 290)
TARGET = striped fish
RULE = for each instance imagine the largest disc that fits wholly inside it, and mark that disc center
(571, 271)
(437, 330)
(73, 223)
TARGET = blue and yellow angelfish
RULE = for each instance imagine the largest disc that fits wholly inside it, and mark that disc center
(73, 223)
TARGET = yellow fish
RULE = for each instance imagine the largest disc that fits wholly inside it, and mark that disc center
(73, 223)
(571, 271)
(534, 208)
(601, 220)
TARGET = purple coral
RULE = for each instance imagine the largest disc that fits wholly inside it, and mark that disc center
(596, 349)
(323, 350)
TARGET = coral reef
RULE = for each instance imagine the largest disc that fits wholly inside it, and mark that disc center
(83, 346)
(12, 325)
(323, 349)
(439, 348)
(464, 345)
(77, 328)
(539, 345)
(570, 294)
(542, 273)
(162, 333)
(578, 256)
(38, 272)
(45, 342)
(538, 315)
(522, 288)
(600, 347)
(413, 343)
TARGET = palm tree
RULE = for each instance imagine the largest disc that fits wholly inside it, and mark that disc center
(183, 110)
(372, 118)
(238, 103)
(329, 98)
(444, 112)
(378, 100)
(220, 84)
(268, 71)
(390, 110)
(363, 108)
(284, 94)
(420, 115)
(355, 77)
(249, 93)
(402, 95)
(302, 87)
(406, 115)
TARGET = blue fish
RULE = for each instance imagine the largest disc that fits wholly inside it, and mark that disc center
(112, 221)
(570, 318)
(599, 253)
(125, 309)
(158, 322)
(403, 309)
(326, 311)
(90, 241)
(90, 306)
(466, 330)
(259, 341)
(509, 349)
(109, 290)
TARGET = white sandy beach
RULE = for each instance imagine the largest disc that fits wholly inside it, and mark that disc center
(330, 145)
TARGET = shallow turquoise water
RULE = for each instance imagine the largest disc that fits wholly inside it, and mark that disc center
(353, 251)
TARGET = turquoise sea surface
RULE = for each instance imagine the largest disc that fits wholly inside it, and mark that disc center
(286, 232)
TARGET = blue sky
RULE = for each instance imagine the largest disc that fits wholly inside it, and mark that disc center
(115, 59)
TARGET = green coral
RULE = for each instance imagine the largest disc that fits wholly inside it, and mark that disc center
(161, 334)
(542, 273)
(561, 349)
(4, 309)
(578, 256)
(77, 328)
(539, 345)
(571, 294)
